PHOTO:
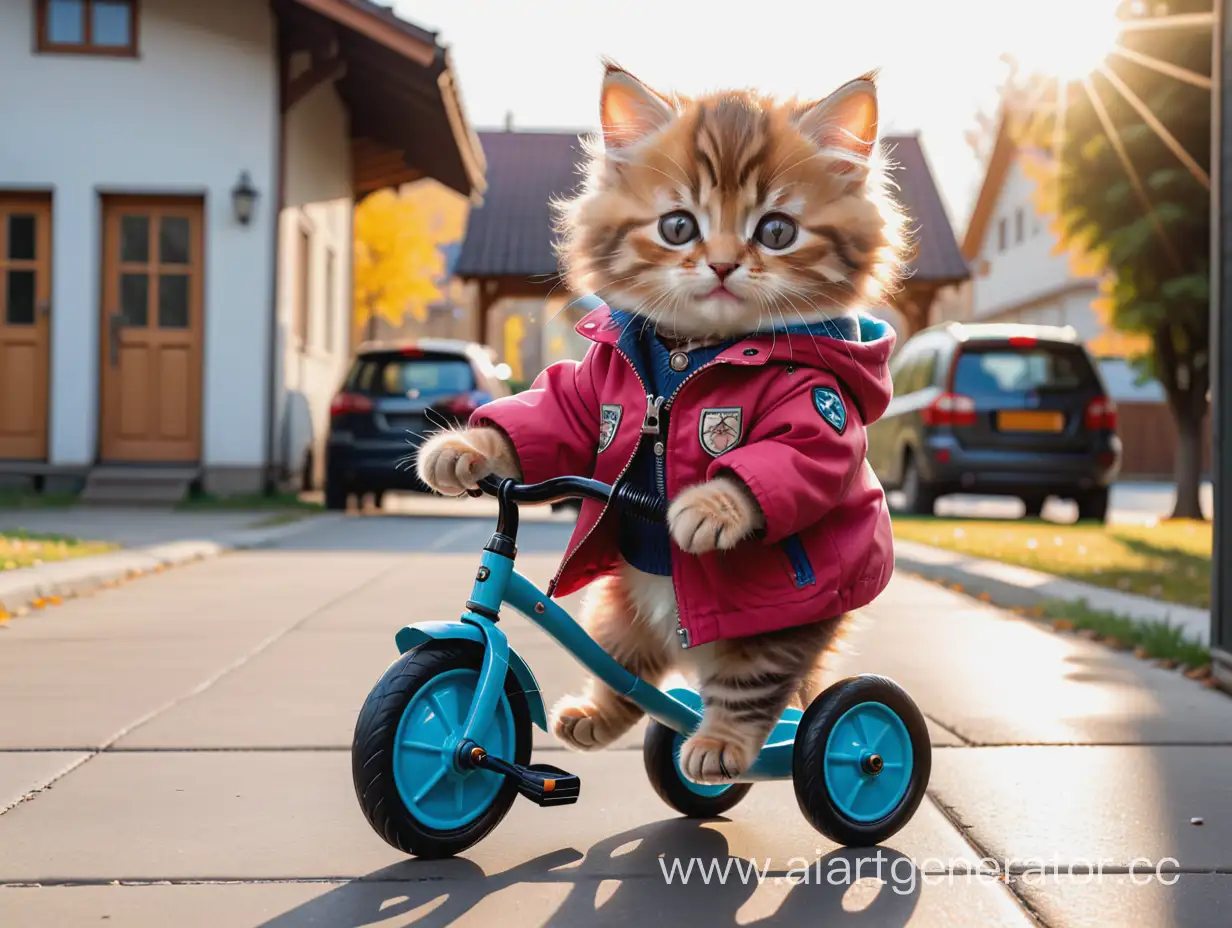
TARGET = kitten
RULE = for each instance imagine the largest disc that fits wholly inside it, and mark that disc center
(784, 204)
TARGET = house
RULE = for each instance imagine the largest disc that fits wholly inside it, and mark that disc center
(508, 260)
(176, 187)
(1021, 272)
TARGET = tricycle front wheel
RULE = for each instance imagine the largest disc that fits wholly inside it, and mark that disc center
(401, 757)
(861, 760)
(661, 752)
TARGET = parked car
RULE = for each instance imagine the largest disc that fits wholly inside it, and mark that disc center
(1014, 410)
(394, 395)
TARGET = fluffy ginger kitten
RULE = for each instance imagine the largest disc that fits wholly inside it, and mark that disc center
(732, 239)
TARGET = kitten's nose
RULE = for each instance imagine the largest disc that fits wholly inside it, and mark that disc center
(723, 271)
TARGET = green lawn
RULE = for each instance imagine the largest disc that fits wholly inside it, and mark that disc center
(19, 548)
(1170, 560)
(282, 502)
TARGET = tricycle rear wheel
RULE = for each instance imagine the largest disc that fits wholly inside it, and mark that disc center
(861, 760)
(661, 752)
(410, 796)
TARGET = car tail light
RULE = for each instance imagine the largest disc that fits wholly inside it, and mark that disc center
(412, 352)
(1101, 415)
(345, 403)
(1023, 341)
(950, 409)
(463, 404)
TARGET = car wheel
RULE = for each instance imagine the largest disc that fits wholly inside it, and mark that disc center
(918, 496)
(1093, 506)
(306, 482)
(378, 499)
(1034, 506)
(335, 494)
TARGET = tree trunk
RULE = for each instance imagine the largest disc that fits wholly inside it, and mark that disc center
(1188, 465)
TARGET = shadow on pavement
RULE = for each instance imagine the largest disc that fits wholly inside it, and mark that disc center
(636, 861)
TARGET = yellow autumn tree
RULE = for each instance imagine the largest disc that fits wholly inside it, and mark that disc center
(397, 261)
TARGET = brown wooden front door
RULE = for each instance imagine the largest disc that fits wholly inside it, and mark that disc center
(25, 325)
(151, 330)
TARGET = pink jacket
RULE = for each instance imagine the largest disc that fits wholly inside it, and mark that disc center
(801, 404)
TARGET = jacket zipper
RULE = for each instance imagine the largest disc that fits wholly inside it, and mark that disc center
(793, 547)
(660, 451)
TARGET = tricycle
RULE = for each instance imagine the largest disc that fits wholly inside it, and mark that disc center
(443, 742)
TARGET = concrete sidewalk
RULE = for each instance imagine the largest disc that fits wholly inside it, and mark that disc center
(188, 537)
(181, 757)
(1011, 586)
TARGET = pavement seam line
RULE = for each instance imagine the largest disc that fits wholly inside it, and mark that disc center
(202, 687)
(951, 815)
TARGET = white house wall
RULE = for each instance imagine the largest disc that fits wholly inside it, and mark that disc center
(186, 117)
(318, 200)
(1026, 281)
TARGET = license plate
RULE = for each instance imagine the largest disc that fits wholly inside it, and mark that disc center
(1030, 421)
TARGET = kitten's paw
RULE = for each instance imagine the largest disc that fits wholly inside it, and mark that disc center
(705, 759)
(579, 723)
(715, 515)
(454, 461)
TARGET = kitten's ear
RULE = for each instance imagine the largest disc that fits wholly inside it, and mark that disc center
(845, 121)
(629, 110)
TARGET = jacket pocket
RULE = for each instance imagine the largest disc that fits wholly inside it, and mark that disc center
(801, 566)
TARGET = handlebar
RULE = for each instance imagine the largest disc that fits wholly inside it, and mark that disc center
(637, 503)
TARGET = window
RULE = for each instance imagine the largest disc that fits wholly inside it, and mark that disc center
(88, 27)
(1002, 234)
(302, 308)
(427, 376)
(999, 375)
(1019, 225)
(331, 299)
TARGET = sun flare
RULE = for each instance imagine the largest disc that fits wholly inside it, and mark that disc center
(1066, 39)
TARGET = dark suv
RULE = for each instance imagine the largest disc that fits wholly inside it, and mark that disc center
(393, 395)
(1013, 410)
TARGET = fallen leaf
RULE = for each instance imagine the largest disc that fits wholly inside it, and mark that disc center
(38, 603)
(1063, 625)
(54, 600)
(984, 598)
(1199, 673)
(1037, 611)
(1140, 653)
(957, 587)
(1165, 663)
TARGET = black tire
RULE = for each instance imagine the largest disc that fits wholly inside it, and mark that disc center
(378, 499)
(372, 750)
(335, 494)
(919, 498)
(659, 753)
(1034, 506)
(1093, 506)
(807, 770)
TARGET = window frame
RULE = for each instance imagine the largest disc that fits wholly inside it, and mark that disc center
(44, 46)
(301, 307)
(330, 322)
(1003, 233)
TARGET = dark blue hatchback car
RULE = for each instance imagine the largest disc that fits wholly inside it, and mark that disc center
(393, 395)
(1014, 410)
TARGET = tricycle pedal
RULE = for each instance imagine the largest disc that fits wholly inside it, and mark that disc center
(542, 784)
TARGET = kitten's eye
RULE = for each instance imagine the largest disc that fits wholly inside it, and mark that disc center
(776, 231)
(678, 228)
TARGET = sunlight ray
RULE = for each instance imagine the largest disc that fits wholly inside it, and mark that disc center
(1058, 127)
(1176, 21)
(1135, 181)
(1162, 67)
(1153, 121)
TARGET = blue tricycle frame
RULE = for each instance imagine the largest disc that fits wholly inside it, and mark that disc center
(442, 743)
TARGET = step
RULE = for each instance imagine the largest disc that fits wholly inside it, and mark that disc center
(137, 485)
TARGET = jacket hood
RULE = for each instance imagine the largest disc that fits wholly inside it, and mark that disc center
(855, 348)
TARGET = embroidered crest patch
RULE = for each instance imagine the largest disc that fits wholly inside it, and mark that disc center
(609, 421)
(830, 406)
(721, 429)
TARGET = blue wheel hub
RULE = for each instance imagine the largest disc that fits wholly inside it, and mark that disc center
(434, 789)
(868, 762)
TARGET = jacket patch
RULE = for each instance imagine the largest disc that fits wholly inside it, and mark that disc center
(609, 421)
(830, 406)
(721, 429)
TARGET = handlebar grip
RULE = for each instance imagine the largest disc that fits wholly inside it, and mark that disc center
(649, 507)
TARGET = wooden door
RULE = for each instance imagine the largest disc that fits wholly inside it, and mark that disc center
(151, 330)
(25, 325)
